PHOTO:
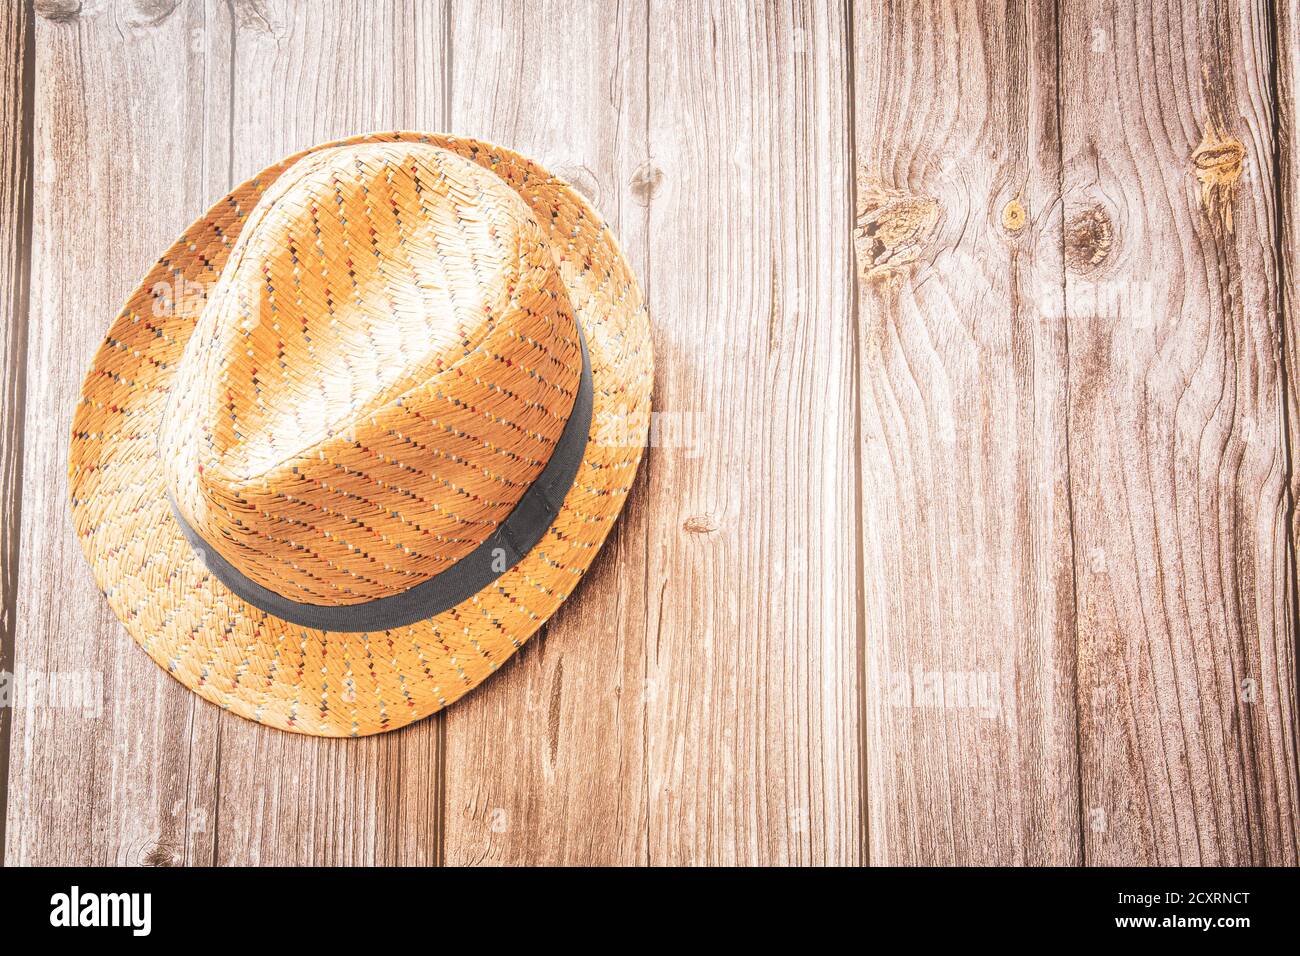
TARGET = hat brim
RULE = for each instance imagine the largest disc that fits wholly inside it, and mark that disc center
(329, 683)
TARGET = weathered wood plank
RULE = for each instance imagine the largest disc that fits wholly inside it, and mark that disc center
(17, 66)
(545, 761)
(753, 723)
(1178, 469)
(1286, 46)
(304, 74)
(966, 567)
(116, 776)
(697, 700)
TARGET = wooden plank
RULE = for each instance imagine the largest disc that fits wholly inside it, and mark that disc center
(114, 770)
(545, 761)
(302, 74)
(752, 730)
(1286, 44)
(965, 514)
(697, 699)
(17, 65)
(1178, 469)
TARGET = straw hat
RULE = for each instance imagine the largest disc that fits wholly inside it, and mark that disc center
(361, 430)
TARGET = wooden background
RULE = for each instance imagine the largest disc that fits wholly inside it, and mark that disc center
(972, 374)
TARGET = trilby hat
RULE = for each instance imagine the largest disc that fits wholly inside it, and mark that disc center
(361, 430)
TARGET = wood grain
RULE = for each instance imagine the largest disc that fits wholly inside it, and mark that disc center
(302, 74)
(1178, 470)
(1286, 47)
(113, 186)
(545, 763)
(752, 657)
(967, 570)
(696, 702)
(189, 784)
(16, 75)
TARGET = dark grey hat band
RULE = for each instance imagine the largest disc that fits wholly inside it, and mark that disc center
(505, 547)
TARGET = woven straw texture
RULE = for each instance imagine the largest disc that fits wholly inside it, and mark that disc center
(346, 373)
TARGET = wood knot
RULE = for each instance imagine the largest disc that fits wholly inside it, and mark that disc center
(581, 178)
(150, 13)
(158, 855)
(892, 230)
(645, 183)
(1217, 163)
(1013, 216)
(700, 524)
(1089, 235)
(59, 11)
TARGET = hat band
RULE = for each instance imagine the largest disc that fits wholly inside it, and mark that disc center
(505, 547)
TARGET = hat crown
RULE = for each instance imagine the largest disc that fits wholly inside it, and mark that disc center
(381, 371)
